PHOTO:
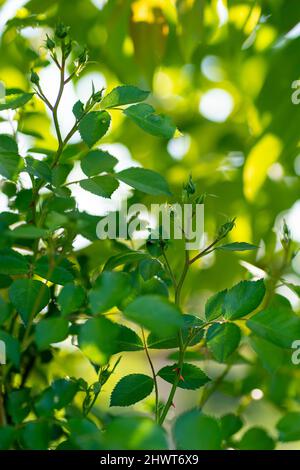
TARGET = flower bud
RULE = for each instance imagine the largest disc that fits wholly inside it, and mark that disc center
(286, 235)
(83, 57)
(50, 44)
(96, 97)
(61, 31)
(226, 228)
(34, 78)
(67, 49)
(189, 187)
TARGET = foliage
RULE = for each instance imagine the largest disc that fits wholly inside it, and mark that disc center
(75, 320)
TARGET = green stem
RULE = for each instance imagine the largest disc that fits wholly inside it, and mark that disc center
(153, 374)
(170, 270)
(182, 347)
(174, 387)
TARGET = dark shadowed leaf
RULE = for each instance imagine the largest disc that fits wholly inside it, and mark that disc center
(29, 297)
(12, 262)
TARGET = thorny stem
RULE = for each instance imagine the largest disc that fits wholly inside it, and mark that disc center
(153, 374)
(182, 346)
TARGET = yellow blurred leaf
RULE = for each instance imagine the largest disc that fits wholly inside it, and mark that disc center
(265, 152)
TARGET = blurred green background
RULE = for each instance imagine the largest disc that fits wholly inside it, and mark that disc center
(226, 72)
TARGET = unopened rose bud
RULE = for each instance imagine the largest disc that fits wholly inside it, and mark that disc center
(34, 78)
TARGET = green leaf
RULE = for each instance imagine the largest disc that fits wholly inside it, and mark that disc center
(268, 354)
(64, 390)
(256, 439)
(78, 109)
(29, 297)
(156, 314)
(10, 163)
(58, 270)
(84, 435)
(277, 324)
(144, 180)
(38, 168)
(28, 232)
(289, 427)
(222, 340)
(192, 331)
(71, 298)
(19, 404)
(15, 98)
(214, 306)
(7, 437)
(97, 161)
(230, 425)
(156, 124)
(5, 310)
(102, 186)
(243, 299)
(12, 262)
(148, 268)
(50, 330)
(94, 126)
(36, 435)
(134, 433)
(56, 397)
(121, 95)
(192, 376)
(12, 348)
(97, 339)
(154, 286)
(8, 144)
(109, 290)
(127, 340)
(128, 257)
(131, 389)
(237, 246)
(196, 431)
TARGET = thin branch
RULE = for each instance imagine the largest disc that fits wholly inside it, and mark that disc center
(153, 374)
(170, 270)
